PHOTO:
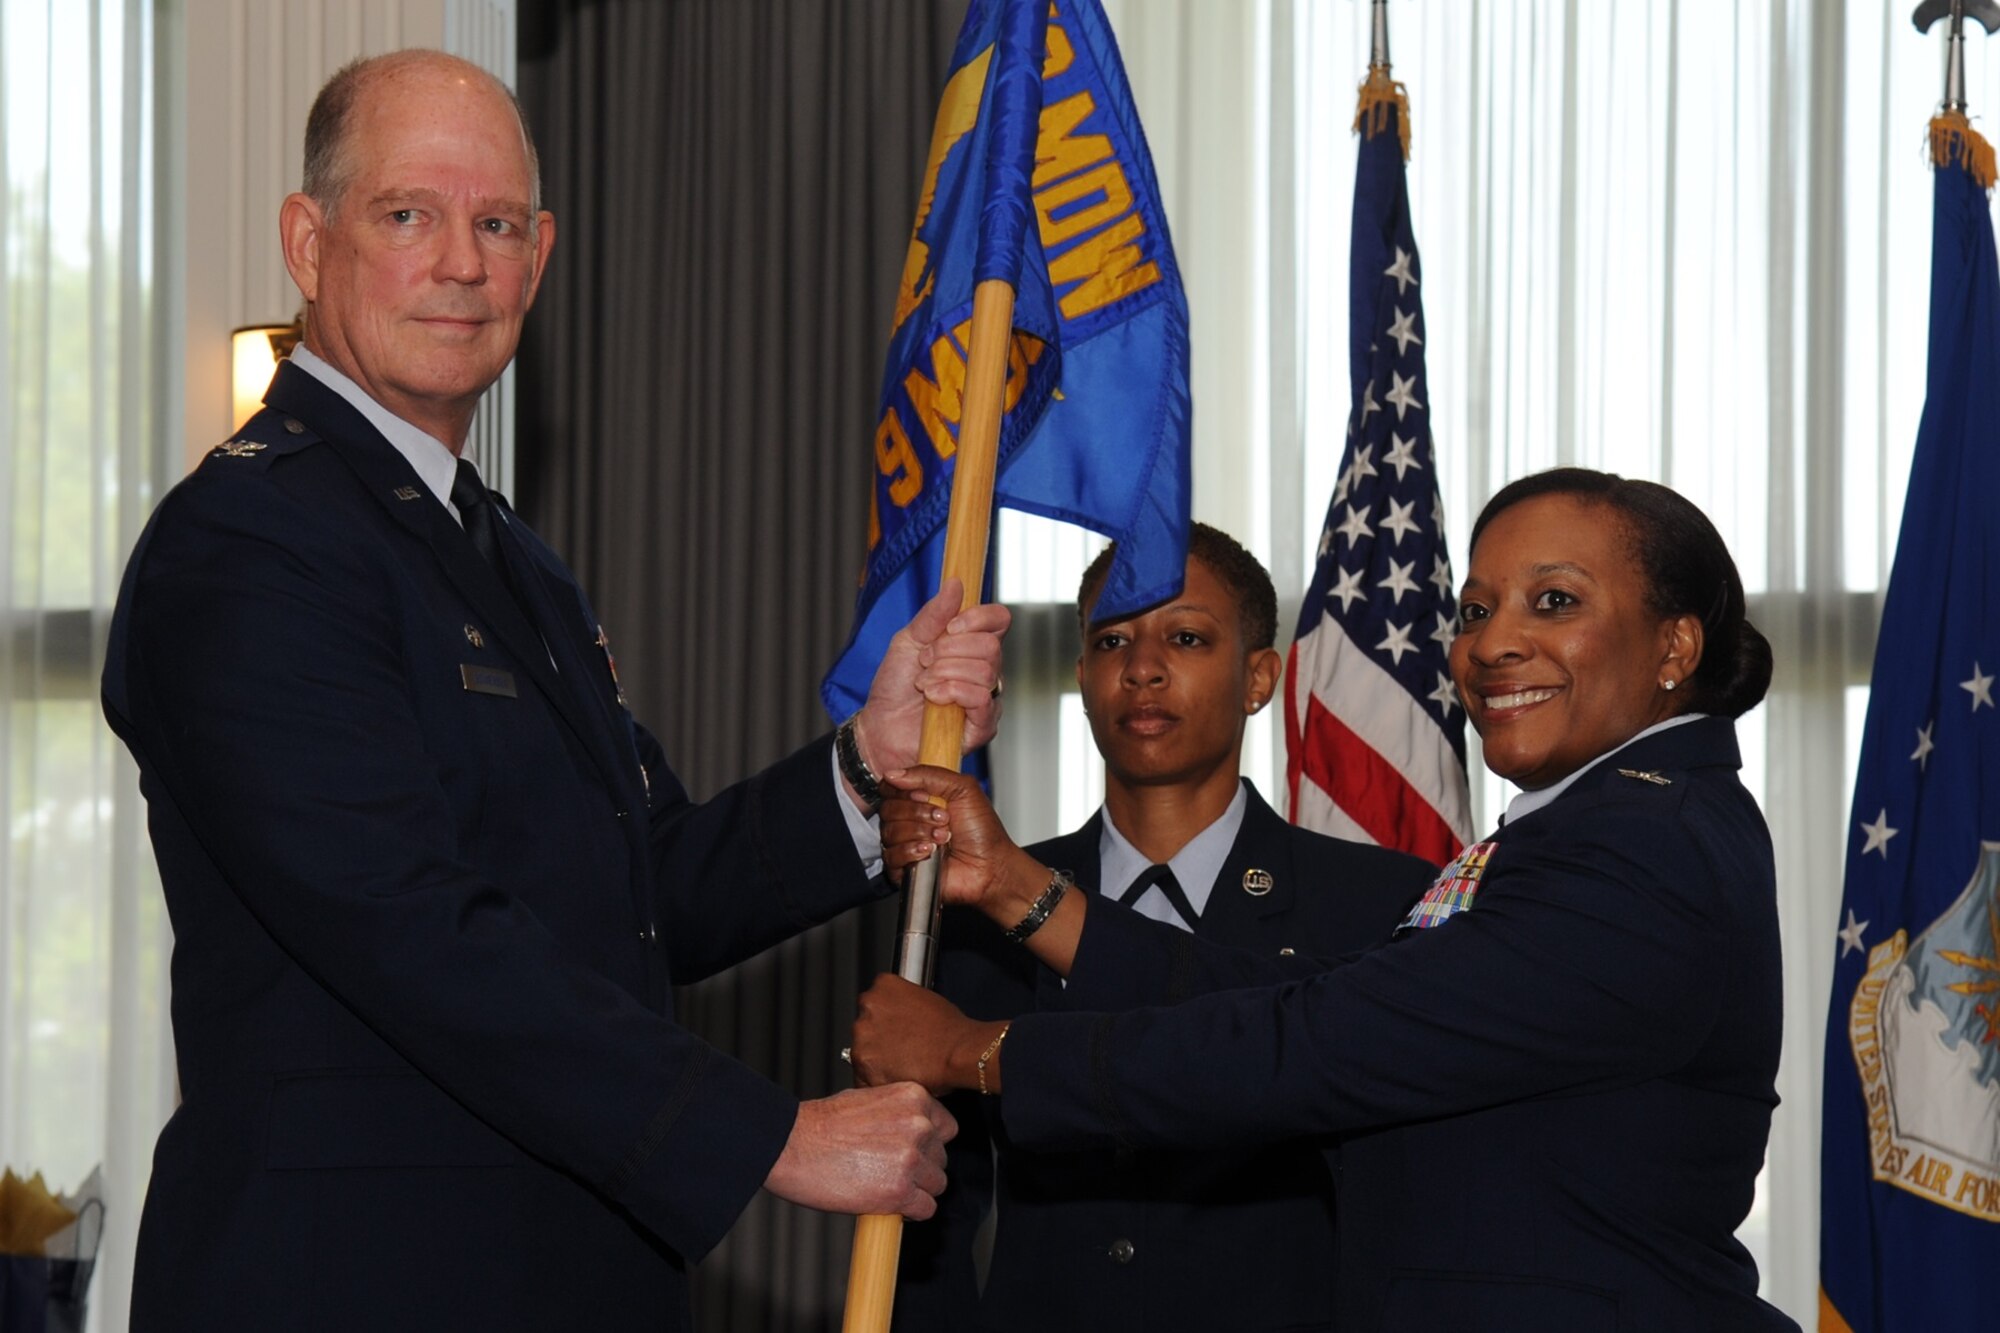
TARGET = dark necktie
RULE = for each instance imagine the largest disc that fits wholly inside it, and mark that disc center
(482, 523)
(1162, 878)
(475, 511)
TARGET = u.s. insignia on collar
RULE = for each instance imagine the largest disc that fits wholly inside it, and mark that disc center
(1257, 883)
(1646, 775)
(405, 492)
(1452, 891)
(474, 637)
(240, 448)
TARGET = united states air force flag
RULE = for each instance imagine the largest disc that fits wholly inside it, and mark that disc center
(1374, 735)
(1038, 173)
(1910, 1170)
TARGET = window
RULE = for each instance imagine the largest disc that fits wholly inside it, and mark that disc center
(85, 1063)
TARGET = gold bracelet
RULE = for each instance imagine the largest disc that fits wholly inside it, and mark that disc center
(992, 1049)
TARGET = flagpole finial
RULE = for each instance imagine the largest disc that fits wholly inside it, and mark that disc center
(1985, 12)
(1379, 57)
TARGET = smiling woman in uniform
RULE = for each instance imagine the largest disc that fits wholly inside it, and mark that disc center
(1556, 1084)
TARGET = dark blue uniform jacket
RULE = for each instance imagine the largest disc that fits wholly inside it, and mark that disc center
(429, 886)
(1557, 1100)
(1102, 1240)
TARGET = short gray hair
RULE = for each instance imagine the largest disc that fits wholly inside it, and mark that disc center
(327, 170)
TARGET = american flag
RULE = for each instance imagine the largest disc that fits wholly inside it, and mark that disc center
(1375, 735)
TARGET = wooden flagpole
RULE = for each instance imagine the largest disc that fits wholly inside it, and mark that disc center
(878, 1237)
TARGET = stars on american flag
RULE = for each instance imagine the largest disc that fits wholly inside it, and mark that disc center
(1402, 455)
(1397, 642)
(1399, 581)
(1400, 271)
(1402, 394)
(1384, 571)
(1445, 696)
(1403, 330)
(1348, 588)
(1374, 734)
(1399, 520)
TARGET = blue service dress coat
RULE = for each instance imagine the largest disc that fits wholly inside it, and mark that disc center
(1104, 1240)
(1557, 1099)
(430, 885)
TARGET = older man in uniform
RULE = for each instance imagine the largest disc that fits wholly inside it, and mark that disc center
(430, 883)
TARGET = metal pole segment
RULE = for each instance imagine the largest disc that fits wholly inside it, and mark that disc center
(1379, 57)
(923, 907)
(1986, 13)
(878, 1237)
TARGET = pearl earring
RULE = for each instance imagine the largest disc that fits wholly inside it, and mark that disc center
(1668, 684)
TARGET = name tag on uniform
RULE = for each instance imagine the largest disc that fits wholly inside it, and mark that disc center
(488, 680)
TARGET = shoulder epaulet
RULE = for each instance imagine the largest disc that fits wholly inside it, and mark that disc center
(268, 435)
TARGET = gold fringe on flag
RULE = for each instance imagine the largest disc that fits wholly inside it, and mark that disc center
(1953, 142)
(1379, 92)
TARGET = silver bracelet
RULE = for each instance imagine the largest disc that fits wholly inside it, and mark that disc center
(1060, 882)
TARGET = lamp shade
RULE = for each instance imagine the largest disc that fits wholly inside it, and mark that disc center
(255, 352)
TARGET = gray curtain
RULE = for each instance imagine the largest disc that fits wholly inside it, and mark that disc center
(733, 182)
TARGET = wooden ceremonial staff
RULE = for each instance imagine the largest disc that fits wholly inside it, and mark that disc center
(878, 1237)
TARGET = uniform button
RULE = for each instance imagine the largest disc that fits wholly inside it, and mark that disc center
(1285, 952)
(1121, 1251)
(294, 427)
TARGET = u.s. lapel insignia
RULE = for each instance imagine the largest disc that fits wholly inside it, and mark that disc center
(1257, 883)
(474, 637)
(405, 492)
(240, 448)
(1452, 891)
(611, 664)
(1646, 775)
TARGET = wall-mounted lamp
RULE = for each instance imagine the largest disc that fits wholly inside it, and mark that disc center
(255, 352)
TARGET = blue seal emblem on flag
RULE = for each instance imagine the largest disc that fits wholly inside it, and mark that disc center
(1924, 1026)
(1452, 891)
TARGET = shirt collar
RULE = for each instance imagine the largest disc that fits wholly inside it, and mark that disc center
(1530, 801)
(435, 464)
(1195, 865)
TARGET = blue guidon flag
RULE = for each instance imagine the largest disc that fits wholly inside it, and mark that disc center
(1038, 174)
(1910, 1155)
(1374, 732)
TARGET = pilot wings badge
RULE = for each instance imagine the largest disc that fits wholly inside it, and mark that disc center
(1924, 1026)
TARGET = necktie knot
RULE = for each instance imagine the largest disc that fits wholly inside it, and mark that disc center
(1161, 877)
(467, 490)
(475, 510)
